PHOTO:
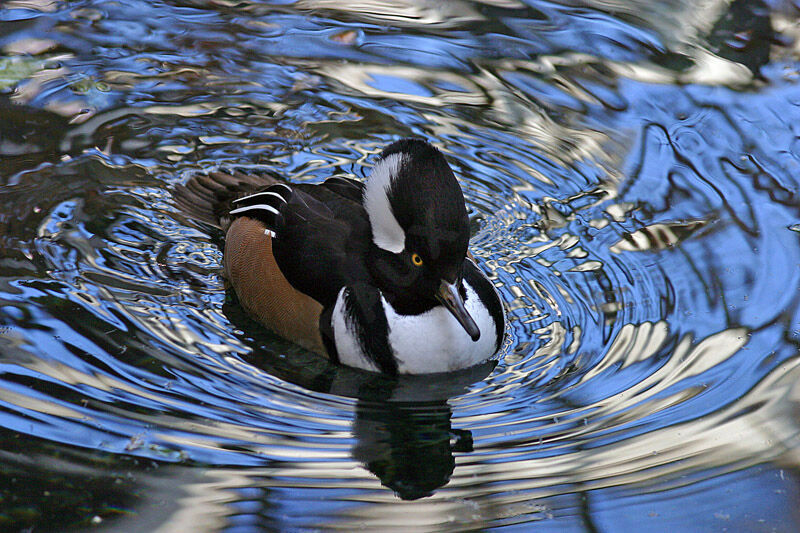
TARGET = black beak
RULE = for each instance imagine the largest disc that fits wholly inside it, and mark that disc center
(451, 299)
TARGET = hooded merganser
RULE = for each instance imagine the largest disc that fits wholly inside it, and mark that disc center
(375, 275)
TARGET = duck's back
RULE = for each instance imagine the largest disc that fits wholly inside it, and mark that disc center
(320, 235)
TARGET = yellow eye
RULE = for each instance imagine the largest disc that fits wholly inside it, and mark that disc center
(416, 259)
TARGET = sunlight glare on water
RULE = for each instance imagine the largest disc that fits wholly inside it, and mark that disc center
(631, 174)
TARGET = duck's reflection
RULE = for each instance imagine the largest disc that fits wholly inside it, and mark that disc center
(409, 446)
(402, 424)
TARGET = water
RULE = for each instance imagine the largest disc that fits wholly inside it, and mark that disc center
(632, 175)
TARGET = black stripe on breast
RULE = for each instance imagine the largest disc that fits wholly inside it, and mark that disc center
(366, 315)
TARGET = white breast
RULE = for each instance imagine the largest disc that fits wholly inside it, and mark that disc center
(430, 342)
(435, 342)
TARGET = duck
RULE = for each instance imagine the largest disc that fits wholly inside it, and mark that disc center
(373, 274)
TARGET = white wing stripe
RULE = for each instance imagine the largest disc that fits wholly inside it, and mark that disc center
(251, 207)
(256, 195)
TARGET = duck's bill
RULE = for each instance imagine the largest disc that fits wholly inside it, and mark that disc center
(449, 296)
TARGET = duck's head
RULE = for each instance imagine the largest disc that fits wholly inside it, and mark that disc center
(420, 230)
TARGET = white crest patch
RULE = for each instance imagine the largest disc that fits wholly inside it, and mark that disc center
(386, 231)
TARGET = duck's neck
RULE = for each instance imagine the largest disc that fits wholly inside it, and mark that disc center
(396, 283)
(409, 305)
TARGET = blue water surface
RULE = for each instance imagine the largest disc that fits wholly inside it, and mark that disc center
(631, 172)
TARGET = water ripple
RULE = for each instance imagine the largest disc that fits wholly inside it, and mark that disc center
(631, 174)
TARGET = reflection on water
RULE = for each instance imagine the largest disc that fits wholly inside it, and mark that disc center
(631, 172)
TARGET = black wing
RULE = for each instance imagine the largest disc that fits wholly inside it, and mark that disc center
(348, 188)
(207, 196)
(320, 233)
(264, 205)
